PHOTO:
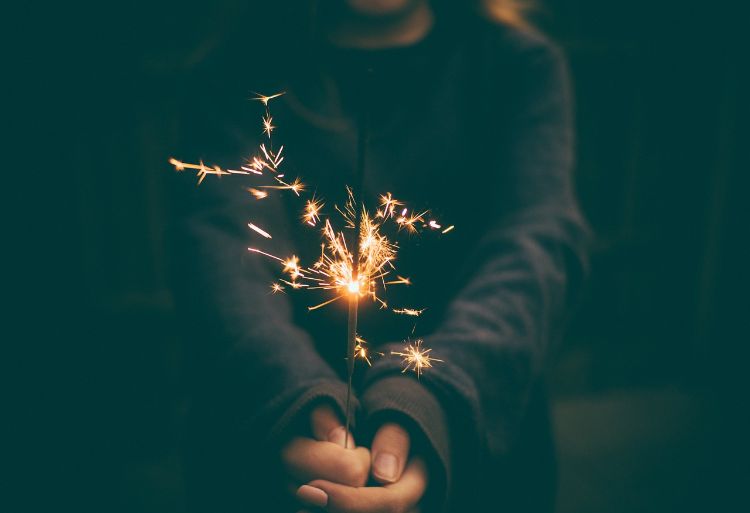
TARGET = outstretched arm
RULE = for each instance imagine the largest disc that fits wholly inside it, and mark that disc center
(497, 330)
(257, 374)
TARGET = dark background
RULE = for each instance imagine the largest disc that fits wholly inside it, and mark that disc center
(649, 389)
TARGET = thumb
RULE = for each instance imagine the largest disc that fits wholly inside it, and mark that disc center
(390, 450)
(327, 426)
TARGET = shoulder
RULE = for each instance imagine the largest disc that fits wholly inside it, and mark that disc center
(516, 66)
(520, 52)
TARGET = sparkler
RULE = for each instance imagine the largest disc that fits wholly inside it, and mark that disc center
(360, 268)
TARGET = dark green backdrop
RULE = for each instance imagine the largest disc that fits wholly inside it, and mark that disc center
(649, 386)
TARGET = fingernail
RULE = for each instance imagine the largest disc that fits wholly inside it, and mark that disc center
(385, 466)
(338, 437)
(312, 495)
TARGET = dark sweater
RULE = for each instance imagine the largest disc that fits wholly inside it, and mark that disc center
(475, 125)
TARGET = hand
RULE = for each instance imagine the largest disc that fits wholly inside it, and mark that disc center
(403, 496)
(324, 456)
(390, 450)
(404, 485)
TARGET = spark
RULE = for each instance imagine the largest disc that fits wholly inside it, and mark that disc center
(400, 280)
(294, 284)
(410, 222)
(433, 224)
(178, 165)
(257, 193)
(296, 186)
(203, 170)
(291, 266)
(311, 215)
(265, 99)
(268, 125)
(255, 165)
(415, 358)
(324, 303)
(276, 288)
(259, 230)
(273, 160)
(269, 255)
(361, 352)
(451, 227)
(388, 205)
(409, 311)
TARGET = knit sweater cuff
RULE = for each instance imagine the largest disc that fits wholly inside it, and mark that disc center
(295, 418)
(404, 399)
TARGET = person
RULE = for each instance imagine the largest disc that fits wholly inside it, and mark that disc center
(468, 114)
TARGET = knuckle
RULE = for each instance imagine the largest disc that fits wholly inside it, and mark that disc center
(356, 472)
(353, 471)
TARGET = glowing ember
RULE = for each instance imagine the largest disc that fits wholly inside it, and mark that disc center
(259, 230)
(311, 215)
(257, 193)
(409, 311)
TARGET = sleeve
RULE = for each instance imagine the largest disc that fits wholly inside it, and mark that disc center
(255, 371)
(496, 333)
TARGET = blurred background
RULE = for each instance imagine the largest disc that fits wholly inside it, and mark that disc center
(649, 388)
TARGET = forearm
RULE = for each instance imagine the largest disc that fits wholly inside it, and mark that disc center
(249, 353)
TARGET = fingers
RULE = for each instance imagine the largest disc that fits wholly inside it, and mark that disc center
(400, 497)
(305, 459)
(390, 451)
(411, 487)
(327, 426)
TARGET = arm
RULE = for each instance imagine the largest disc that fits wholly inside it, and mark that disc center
(248, 342)
(497, 330)
(257, 374)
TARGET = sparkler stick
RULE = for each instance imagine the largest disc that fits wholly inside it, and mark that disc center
(351, 335)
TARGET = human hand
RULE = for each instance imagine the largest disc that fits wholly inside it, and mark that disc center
(324, 455)
(403, 484)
